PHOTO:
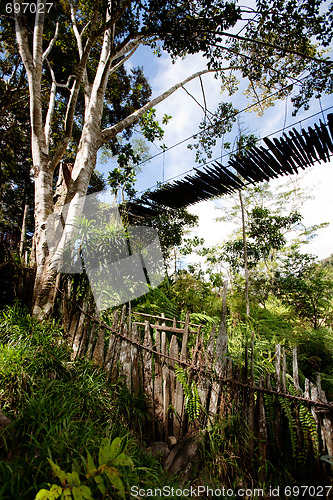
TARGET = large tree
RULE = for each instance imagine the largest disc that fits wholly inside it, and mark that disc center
(73, 52)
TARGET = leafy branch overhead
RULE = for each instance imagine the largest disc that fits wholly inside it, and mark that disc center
(83, 96)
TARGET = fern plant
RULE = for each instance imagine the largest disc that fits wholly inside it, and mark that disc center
(270, 413)
(287, 409)
(193, 404)
(309, 429)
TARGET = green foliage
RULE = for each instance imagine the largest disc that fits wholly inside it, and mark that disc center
(205, 320)
(193, 406)
(306, 286)
(61, 410)
(110, 458)
(213, 130)
(270, 414)
(157, 301)
(195, 295)
(309, 428)
(171, 225)
(265, 233)
(228, 457)
(150, 126)
(287, 408)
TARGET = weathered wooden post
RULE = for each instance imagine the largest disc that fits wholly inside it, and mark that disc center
(220, 355)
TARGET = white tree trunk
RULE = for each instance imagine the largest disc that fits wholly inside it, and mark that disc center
(92, 137)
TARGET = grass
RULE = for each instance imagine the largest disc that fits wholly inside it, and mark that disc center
(59, 409)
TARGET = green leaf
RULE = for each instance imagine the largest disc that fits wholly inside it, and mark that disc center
(82, 492)
(73, 479)
(100, 484)
(66, 493)
(104, 452)
(52, 494)
(114, 448)
(116, 481)
(58, 472)
(123, 460)
(91, 463)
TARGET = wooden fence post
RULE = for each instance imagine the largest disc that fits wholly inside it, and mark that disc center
(284, 371)
(112, 344)
(135, 360)
(220, 355)
(98, 354)
(148, 370)
(178, 394)
(158, 384)
(262, 427)
(295, 370)
(278, 388)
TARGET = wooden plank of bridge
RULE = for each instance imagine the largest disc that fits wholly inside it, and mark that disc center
(262, 426)
(91, 340)
(284, 371)
(326, 426)
(184, 357)
(79, 331)
(206, 362)
(251, 405)
(326, 423)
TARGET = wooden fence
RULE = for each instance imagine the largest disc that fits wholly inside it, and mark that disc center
(150, 352)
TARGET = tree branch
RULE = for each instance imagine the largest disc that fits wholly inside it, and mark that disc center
(123, 6)
(78, 36)
(33, 67)
(52, 42)
(50, 111)
(111, 132)
(123, 60)
(273, 46)
(37, 52)
(70, 112)
(130, 46)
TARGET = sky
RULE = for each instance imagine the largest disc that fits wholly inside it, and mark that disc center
(186, 116)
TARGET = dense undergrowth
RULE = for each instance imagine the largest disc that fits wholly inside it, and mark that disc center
(60, 410)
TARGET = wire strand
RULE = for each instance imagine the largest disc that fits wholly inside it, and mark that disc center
(220, 157)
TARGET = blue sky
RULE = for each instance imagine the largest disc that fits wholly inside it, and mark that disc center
(186, 116)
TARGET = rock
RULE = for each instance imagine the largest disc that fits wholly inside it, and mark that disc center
(4, 421)
(159, 449)
(185, 457)
(172, 441)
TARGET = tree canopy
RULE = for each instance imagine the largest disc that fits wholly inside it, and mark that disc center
(71, 54)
